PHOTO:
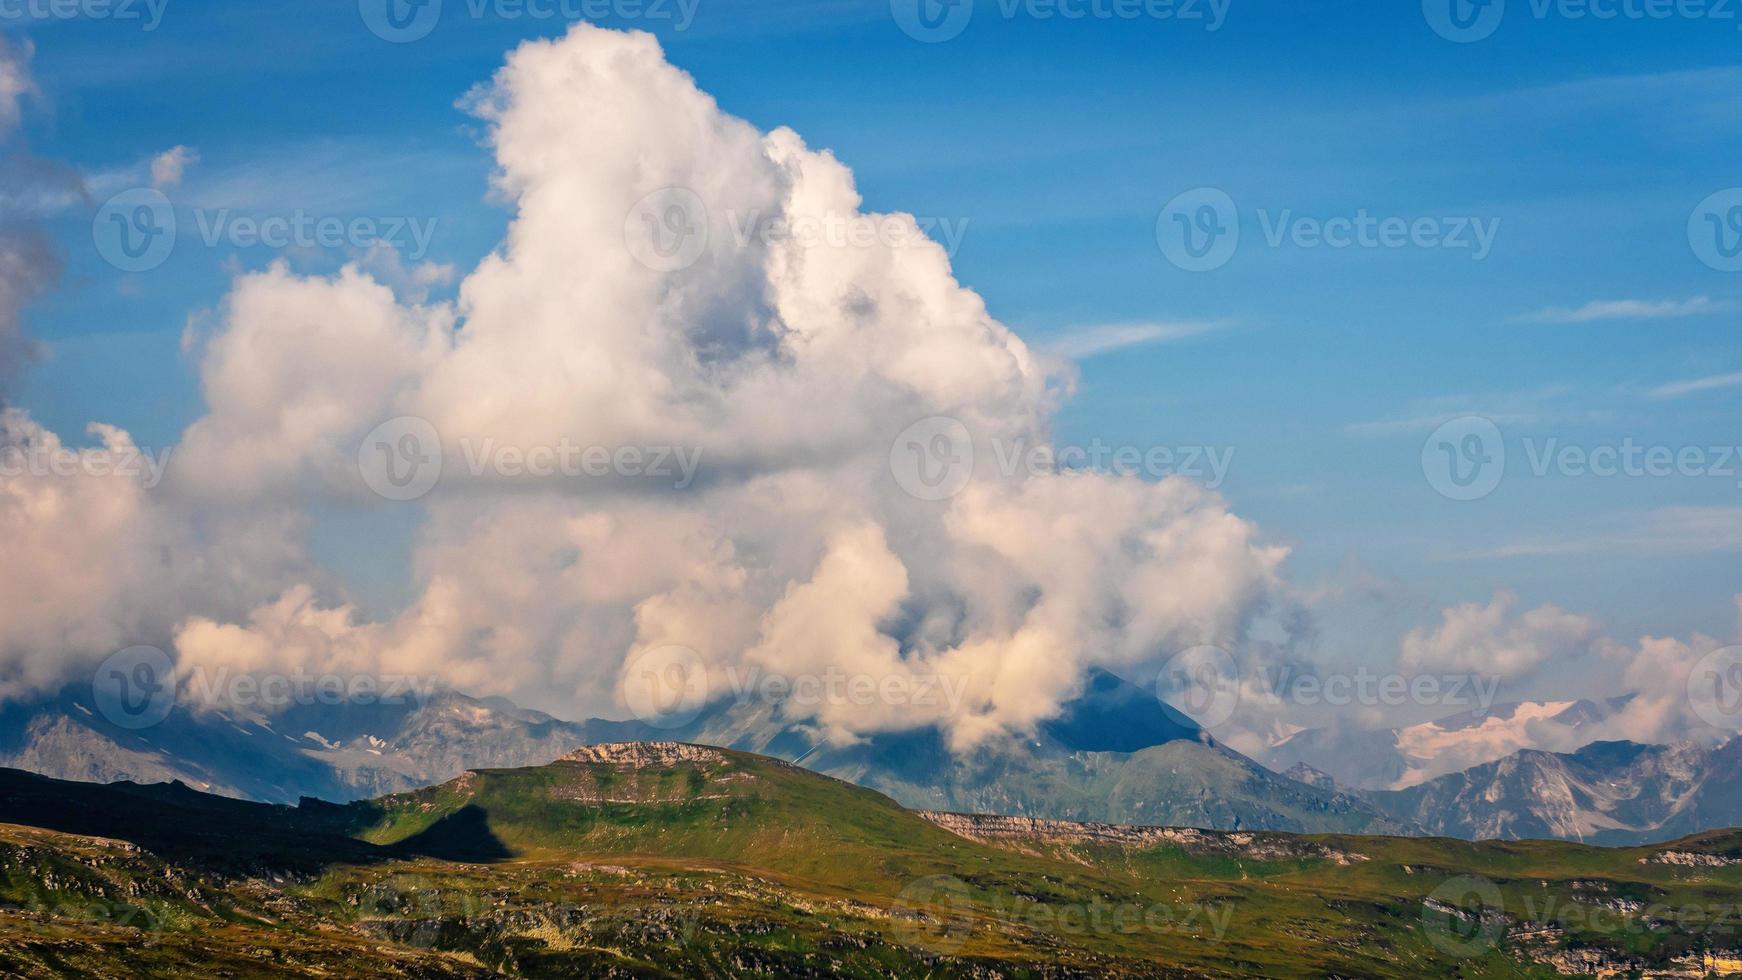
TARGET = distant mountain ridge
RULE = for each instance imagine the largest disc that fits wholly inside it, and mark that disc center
(1114, 754)
(335, 752)
(1395, 758)
(1609, 793)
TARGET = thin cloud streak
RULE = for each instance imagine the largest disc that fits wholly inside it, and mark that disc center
(1679, 389)
(1501, 408)
(1627, 309)
(1086, 342)
(1660, 533)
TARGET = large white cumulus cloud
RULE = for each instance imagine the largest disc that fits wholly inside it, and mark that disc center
(790, 364)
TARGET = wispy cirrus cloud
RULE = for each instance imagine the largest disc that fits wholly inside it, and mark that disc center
(1662, 532)
(1531, 407)
(1627, 309)
(1091, 341)
(1694, 386)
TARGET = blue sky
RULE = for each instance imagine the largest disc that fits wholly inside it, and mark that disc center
(1585, 144)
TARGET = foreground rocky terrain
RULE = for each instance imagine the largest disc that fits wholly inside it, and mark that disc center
(672, 859)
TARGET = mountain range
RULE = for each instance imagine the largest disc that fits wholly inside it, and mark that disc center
(1605, 793)
(1115, 755)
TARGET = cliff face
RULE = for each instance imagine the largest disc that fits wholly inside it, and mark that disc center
(1017, 830)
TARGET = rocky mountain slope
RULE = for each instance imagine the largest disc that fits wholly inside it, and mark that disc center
(1116, 755)
(1607, 793)
(1396, 758)
(335, 751)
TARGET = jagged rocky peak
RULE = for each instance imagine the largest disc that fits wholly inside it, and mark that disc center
(1300, 772)
(645, 755)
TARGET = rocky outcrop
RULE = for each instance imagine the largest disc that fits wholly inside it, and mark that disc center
(1018, 830)
(645, 755)
(1690, 859)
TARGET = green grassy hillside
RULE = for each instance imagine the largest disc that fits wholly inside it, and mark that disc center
(670, 860)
